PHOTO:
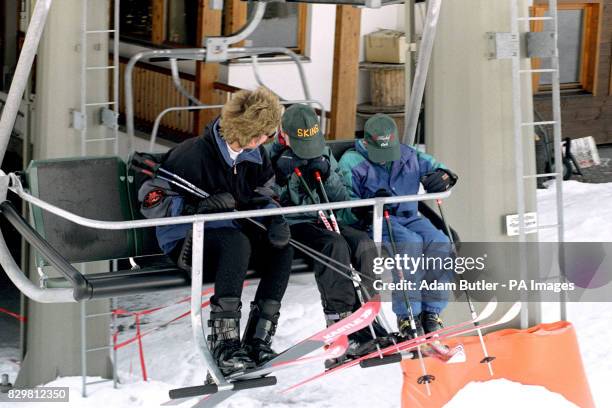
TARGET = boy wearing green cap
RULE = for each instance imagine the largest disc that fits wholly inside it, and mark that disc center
(301, 145)
(380, 166)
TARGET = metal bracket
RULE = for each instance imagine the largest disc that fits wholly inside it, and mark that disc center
(109, 118)
(215, 4)
(373, 4)
(540, 44)
(503, 45)
(78, 120)
(216, 49)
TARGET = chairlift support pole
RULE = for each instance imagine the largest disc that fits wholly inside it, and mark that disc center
(22, 72)
(413, 107)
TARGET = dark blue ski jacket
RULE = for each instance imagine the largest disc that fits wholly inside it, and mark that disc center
(364, 178)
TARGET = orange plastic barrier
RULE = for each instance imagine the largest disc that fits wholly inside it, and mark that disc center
(545, 355)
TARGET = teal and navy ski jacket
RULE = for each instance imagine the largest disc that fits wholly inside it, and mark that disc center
(364, 178)
(293, 193)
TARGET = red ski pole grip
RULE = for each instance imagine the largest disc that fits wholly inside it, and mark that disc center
(317, 175)
(386, 214)
(298, 172)
(151, 164)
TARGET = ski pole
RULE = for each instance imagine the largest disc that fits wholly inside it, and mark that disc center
(332, 216)
(322, 215)
(358, 287)
(315, 255)
(334, 221)
(357, 283)
(155, 167)
(425, 378)
(179, 185)
(487, 358)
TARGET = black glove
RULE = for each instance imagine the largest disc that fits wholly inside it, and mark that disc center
(279, 233)
(320, 164)
(215, 203)
(256, 203)
(382, 192)
(285, 164)
(365, 214)
(439, 180)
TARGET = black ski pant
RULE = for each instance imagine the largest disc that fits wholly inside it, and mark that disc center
(227, 255)
(352, 246)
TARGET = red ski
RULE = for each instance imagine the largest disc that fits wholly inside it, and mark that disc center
(396, 352)
(335, 337)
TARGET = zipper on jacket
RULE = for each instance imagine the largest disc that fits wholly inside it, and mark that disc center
(235, 172)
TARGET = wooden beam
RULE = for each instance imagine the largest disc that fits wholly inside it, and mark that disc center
(234, 16)
(158, 30)
(346, 70)
(209, 24)
(302, 27)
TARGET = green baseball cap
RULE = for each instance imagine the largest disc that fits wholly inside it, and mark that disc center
(301, 123)
(382, 139)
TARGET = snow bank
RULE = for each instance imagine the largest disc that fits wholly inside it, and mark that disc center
(504, 393)
(587, 210)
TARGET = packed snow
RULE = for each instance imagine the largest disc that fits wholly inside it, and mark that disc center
(173, 362)
(506, 394)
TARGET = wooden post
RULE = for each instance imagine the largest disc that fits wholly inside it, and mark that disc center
(158, 35)
(209, 24)
(234, 16)
(346, 69)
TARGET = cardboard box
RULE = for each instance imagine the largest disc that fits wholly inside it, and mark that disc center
(386, 46)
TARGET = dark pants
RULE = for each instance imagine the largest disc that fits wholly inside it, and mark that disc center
(351, 247)
(227, 255)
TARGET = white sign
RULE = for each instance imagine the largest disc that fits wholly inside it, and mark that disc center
(585, 151)
(512, 224)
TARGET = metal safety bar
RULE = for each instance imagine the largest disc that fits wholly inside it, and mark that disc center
(197, 54)
(159, 117)
(22, 282)
(176, 80)
(60, 295)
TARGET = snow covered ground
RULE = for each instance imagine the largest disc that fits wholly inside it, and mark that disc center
(173, 362)
(480, 395)
(588, 218)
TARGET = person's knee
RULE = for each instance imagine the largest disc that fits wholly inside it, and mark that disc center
(237, 244)
(438, 244)
(364, 244)
(335, 243)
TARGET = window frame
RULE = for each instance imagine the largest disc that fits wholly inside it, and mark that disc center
(592, 16)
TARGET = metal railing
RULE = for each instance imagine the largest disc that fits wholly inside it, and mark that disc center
(197, 54)
(159, 117)
(198, 222)
(58, 295)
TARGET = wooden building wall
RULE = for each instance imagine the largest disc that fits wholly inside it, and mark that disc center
(590, 114)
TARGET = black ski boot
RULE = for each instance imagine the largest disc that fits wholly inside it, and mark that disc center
(361, 342)
(224, 339)
(261, 326)
(405, 329)
(184, 258)
(431, 322)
